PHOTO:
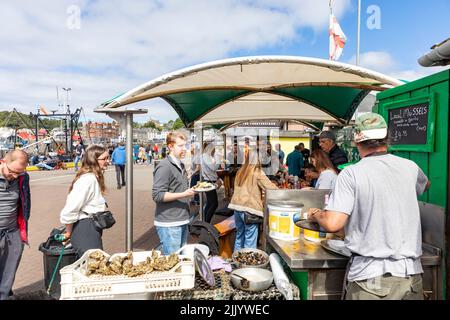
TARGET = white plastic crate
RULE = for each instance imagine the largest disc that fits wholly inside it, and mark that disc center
(75, 284)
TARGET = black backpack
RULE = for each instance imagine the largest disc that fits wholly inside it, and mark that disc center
(209, 235)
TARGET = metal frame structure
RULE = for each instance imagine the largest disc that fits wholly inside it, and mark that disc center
(72, 127)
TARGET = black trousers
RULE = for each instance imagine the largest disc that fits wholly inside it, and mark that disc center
(194, 179)
(211, 205)
(85, 236)
(120, 170)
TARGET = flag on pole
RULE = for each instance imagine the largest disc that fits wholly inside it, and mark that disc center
(337, 38)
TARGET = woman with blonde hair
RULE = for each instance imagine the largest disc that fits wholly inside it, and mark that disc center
(84, 199)
(247, 200)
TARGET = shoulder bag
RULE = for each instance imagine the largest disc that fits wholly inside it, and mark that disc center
(103, 219)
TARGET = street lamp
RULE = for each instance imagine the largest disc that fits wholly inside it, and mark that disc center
(67, 97)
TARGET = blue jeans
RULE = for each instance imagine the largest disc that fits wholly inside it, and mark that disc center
(44, 166)
(77, 158)
(172, 238)
(246, 234)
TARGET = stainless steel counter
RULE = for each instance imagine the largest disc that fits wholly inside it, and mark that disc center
(303, 254)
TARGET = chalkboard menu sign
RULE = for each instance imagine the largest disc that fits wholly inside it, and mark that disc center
(408, 125)
(411, 123)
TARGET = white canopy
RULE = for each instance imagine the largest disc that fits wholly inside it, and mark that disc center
(261, 87)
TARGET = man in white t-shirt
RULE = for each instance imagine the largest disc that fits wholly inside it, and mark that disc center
(376, 201)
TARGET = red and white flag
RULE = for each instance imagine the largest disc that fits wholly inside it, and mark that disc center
(337, 38)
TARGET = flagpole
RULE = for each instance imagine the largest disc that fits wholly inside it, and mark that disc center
(331, 12)
(359, 33)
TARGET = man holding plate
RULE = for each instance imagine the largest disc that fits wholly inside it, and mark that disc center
(171, 194)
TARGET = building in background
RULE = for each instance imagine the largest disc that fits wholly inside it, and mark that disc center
(100, 132)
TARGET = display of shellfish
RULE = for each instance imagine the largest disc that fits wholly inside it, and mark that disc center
(99, 264)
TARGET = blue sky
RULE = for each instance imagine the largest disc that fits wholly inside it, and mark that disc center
(105, 47)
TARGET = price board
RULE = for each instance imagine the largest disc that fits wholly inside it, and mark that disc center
(411, 124)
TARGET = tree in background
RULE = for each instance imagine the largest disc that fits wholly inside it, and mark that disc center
(171, 125)
(178, 124)
(8, 118)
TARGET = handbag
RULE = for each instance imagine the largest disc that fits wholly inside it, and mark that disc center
(252, 218)
(103, 219)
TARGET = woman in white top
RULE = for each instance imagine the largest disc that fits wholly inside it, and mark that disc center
(86, 197)
(325, 168)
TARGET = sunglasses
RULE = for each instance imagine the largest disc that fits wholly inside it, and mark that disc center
(103, 159)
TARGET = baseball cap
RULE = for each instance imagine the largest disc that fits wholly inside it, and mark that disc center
(327, 135)
(370, 126)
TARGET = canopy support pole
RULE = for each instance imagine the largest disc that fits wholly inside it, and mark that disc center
(129, 183)
(118, 115)
(200, 211)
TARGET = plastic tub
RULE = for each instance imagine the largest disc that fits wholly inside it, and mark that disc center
(281, 223)
(188, 250)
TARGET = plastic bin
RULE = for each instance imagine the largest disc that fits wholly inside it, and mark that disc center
(51, 250)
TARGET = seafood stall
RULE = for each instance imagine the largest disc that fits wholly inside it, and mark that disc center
(221, 93)
(317, 263)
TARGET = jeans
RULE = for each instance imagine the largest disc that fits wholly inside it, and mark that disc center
(120, 171)
(77, 159)
(246, 234)
(45, 166)
(172, 238)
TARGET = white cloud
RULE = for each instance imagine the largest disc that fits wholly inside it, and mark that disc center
(411, 75)
(384, 62)
(122, 44)
(375, 60)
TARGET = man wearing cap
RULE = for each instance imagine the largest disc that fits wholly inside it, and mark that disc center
(376, 201)
(327, 142)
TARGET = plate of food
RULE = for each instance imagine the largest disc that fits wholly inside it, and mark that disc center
(203, 186)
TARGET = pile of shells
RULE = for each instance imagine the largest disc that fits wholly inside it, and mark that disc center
(250, 258)
(99, 264)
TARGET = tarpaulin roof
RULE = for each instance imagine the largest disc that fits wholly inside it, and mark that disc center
(261, 87)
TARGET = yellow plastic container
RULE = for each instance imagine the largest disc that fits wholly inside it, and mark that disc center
(314, 236)
(281, 224)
